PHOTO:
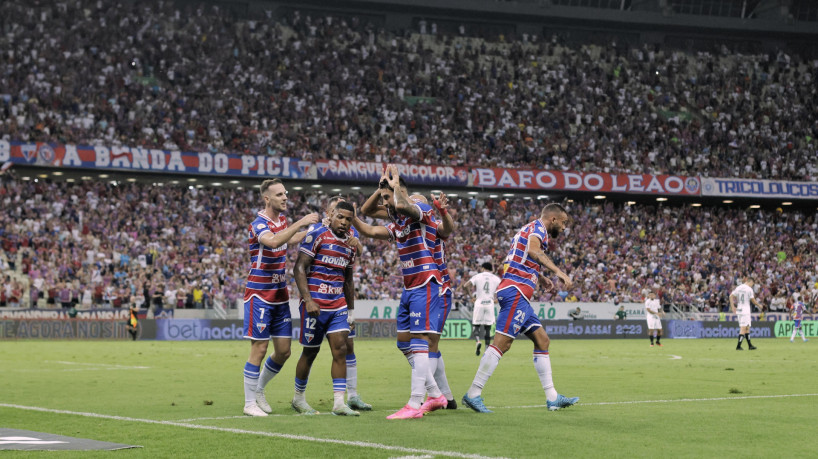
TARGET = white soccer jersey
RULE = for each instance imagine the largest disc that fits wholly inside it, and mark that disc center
(486, 284)
(652, 305)
(743, 294)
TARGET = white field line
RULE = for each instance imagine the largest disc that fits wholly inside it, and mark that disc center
(678, 400)
(101, 365)
(360, 444)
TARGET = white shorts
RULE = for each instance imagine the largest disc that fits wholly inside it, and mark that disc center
(654, 322)
(483, 313)
(744, 320)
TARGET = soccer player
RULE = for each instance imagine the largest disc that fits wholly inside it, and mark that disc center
(323, 274)
(266, 301)
(797, 313)
(526, 257)
(485, 285)
(414, 229)
(654, 314)
(354, 400)
(740, 299)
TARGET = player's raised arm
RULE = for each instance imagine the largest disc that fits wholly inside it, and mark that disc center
(372, 207)
(292, 234)
(403, 205)
(447, 225)
(535, 251)
(370, 231)
(300, 273)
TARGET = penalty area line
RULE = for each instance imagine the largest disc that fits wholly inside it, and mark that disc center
(636, 402)
(361, 444)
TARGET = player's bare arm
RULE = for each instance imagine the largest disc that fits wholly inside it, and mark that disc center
(547, 284)
(403, 205)
(349, 295)
(733, 303)
(373, 208)
(300, 273)
(535, 252)
(289, 235)
(447, 225)
(370, 231)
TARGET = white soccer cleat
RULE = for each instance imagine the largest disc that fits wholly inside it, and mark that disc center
(261, 401)
(253, 410)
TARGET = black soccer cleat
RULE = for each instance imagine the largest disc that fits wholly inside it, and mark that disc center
(451, 405)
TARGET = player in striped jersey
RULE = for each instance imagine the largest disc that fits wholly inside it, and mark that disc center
(323, 274)
(414, 229)
(354, 400)
(525, 259)
(266, 301)
(797, 313)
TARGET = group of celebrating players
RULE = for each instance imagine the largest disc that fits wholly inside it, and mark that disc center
(323, 275)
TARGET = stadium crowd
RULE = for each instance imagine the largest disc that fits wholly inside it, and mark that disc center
(96, 243)
(155, 75)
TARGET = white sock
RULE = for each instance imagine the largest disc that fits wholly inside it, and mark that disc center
(542, 363)
(803, 336)
(250, 383)
(488, 363)
(794, 331)
(352, 376)
(338, 398)
(268, 372)
(440, 377)
(420, 373)
(406, 348)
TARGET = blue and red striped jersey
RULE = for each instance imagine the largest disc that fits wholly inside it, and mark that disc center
(266, 279)
(523, 272)
(331, 256)
(440, 259)
(416, 241)
(798, 310)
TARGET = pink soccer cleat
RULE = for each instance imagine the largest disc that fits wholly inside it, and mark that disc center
(432, 404)
(407, 412)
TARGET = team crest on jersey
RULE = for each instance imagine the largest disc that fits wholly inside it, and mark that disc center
(308, 239)
(261, 226)
(516, 329)
(309, 337)
(261, 327)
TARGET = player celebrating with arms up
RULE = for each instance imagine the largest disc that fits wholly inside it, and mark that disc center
(266, 300)
(525, 259)
(323, 274)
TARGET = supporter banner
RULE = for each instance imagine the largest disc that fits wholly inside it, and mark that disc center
(63, 329)
(759, 188)
(153, 160)
(583, 181)
(593, 329)
(702, 329)
(62, 314)
(783, 329)
(330, 169)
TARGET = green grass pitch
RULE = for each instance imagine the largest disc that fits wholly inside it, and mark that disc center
(691, 398)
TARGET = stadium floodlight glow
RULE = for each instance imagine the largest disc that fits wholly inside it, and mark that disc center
(317, 185)
(786, 203)
(298, 188)
(570, 200)
(26, 178)
(175, 182)
(493, 196)
(56, 173)
(696, 204)
(473, 193)
(452, 194)
(239, 187)
(436, 191)
(69, 180)
(131, 179)
(191, 180)
(103, 175)
(85, 177)
(661, 199)
(631, 203)
(508, 195)
(755, 206)
(727, 201)
(234, 182)
(336, 190)
(200, 186)
(599, 196)
(542, 196)
(216, 183)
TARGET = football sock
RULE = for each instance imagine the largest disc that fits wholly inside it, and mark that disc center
(488, 363)
(658, 339)
(339, 387)
(250, 383)
(406, 348)
(740, 340)
(352, 376)
(300, 388)
(542, 363)
(268, 372)
(440, 376)
(420, 373)
(651, 339)
(488, 334)
(747, 337)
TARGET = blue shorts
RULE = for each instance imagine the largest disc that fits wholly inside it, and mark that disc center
(516, 314)
(420, 309)
(796, 323)
(263, 321)
(313, 329)
(353, 333)
(446, 307)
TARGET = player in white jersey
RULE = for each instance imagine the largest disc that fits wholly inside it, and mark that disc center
(654, 314)
(740, 300)
(485, 286)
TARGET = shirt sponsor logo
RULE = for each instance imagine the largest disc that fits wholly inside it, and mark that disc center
(337, 261)
(328, 289)
(407, 264)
